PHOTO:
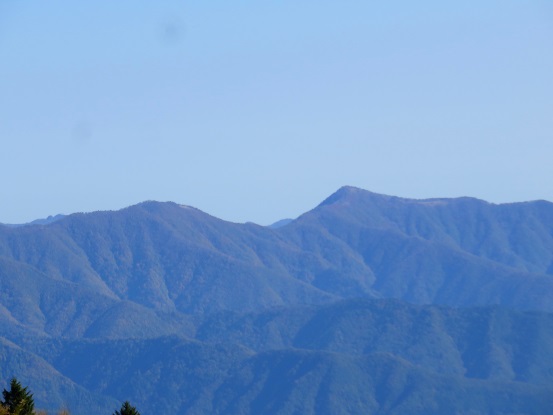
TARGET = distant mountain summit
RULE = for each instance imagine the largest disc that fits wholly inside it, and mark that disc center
(45, 221)
(350, 194)
(354, 196)
(514, 234)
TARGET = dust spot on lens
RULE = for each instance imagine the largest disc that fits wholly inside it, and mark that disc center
(172, 31)
(81, 132)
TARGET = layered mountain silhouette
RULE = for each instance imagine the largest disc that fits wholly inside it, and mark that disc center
(366, 304)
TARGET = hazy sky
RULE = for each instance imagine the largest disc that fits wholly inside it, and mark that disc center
(258, 110)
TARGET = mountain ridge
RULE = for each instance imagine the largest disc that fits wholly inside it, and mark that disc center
(340, 194)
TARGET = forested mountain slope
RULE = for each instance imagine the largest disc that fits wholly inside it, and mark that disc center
(365, 304)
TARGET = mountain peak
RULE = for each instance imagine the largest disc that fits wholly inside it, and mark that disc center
(346, 194)
(350, 194)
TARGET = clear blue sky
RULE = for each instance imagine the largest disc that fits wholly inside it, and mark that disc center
(258, 110)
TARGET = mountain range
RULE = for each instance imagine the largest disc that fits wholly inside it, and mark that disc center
(367, 304)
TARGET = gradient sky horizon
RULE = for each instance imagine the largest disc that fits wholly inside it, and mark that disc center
(257, 111)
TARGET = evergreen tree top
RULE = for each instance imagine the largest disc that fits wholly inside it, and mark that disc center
(18, 400)
(127, 409)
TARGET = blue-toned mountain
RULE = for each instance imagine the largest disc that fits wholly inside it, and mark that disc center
(366, 304)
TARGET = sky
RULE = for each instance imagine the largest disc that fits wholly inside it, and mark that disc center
(258, 110)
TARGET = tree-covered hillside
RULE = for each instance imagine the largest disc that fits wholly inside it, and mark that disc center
(365, 304)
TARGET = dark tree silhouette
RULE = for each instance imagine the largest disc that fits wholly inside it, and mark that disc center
(127, 409)
(18, 400)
